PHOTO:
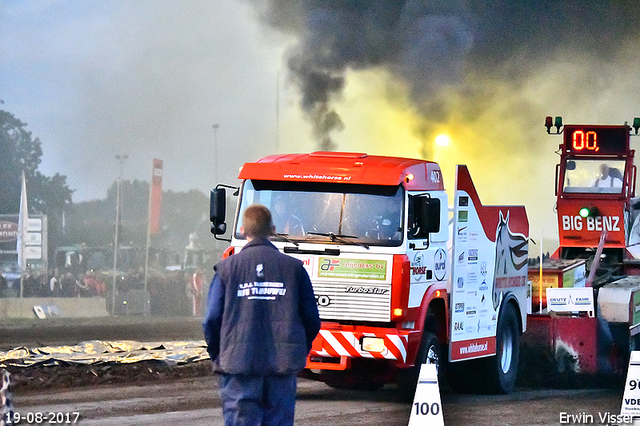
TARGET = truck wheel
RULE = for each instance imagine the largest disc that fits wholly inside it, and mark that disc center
(428, 353)
(504, 366)
(495, 374)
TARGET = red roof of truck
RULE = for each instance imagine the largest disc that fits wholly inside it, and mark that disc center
(346, 167)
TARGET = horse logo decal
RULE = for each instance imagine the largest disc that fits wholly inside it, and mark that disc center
(512, 252)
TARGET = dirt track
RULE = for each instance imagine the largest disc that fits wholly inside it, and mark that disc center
(112, 393)
(195, 401)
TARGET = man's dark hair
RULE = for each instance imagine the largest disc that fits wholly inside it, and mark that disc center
(256, 221)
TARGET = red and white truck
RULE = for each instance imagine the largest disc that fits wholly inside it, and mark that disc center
(400, 278)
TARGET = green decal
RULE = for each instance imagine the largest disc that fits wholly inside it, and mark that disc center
(361, 269)
(636, 307)
(569, 279)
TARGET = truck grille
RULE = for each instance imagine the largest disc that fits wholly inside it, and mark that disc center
(353, 301)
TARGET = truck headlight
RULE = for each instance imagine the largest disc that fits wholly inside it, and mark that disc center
(372, 344)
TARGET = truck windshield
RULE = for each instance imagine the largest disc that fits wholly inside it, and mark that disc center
(329, 213)
(593, 176)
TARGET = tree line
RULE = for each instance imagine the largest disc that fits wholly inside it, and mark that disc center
(91, 222)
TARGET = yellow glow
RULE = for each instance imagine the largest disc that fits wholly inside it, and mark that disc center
(378, 117)
(443, 139)
(397, 312)
(381, 119)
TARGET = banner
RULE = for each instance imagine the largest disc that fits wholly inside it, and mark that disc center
(23, 225)
(571, 299)
(155, 198)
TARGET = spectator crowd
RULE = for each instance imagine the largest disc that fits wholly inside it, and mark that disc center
(54, 284)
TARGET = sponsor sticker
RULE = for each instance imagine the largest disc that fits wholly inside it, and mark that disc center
(361, 269)
(418, 269)
(462, 234)
(570, 299)
(440, 264)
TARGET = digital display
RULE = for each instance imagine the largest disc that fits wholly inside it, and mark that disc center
(596, 140)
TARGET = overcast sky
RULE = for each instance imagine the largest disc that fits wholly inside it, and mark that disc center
(149, 79)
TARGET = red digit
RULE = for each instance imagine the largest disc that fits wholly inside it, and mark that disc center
(593, 138)
(578, 140)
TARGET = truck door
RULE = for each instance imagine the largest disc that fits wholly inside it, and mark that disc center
(427, 234)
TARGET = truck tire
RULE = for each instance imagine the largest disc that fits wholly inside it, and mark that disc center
(504, 365)
(495, 374)
(428, 353)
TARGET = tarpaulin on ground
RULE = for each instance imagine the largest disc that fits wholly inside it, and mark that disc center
(96, 352)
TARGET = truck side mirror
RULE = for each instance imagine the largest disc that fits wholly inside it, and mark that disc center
(217, 210)
(429, 220)
(425, 216)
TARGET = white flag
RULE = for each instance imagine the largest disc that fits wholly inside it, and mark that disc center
(23, 225)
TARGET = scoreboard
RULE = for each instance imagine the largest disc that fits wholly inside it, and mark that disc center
(596, 140)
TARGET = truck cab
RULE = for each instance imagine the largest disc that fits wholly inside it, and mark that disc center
(595, 186)
(375, 237)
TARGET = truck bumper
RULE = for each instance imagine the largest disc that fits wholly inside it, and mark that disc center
(336, 345)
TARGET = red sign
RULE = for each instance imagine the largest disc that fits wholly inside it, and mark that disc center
(155, 197)
(577, 231)
(8, 231)
(473, 348)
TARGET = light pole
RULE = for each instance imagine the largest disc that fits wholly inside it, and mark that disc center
(215, 152)
(121, 159)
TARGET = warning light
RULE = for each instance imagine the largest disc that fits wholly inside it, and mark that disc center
(589, 212)
(397, 312)
(549, 123)
(409, 177)
(558, 124)
(437, 293)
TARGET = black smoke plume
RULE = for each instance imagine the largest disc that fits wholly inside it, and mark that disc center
(432, 44)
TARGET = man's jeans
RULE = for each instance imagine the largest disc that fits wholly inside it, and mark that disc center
(258, 400)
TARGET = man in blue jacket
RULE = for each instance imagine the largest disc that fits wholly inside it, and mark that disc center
(260, 322)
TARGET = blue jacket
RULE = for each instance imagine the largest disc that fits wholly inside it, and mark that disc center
(261, 314)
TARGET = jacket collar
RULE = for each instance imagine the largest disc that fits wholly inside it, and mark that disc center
(256, 242)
